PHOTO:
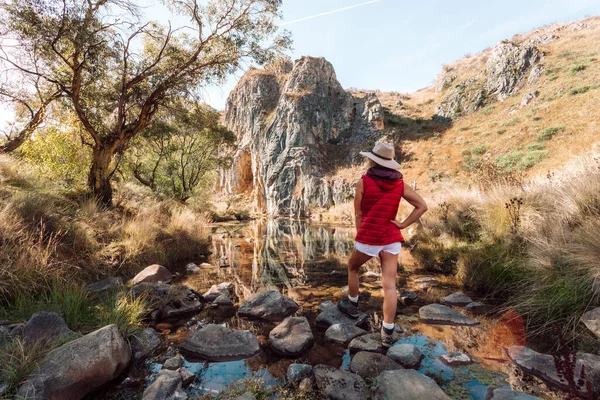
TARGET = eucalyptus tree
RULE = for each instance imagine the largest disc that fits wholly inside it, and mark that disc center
(118, 70)
(184, 144)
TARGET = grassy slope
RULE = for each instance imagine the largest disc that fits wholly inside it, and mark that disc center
(434, 155)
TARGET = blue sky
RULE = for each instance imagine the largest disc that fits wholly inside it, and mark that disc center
(400, 45)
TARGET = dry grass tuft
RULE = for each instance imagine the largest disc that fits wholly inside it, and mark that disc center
(537, 246)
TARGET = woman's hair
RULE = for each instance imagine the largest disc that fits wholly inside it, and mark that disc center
(371, 163)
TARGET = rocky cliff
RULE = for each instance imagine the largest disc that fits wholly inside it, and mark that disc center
(505, 74)
(296, 125)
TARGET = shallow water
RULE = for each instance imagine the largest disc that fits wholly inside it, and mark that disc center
(307, 263)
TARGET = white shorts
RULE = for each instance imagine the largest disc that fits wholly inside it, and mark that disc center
(374, 251)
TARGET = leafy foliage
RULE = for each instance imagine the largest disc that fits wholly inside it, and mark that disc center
(58, 155)
(178, 151)
(89, 50)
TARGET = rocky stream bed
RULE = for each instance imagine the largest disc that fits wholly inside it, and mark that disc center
(263, 306)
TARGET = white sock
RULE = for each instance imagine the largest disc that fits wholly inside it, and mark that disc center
(353, 299)
(388, 326)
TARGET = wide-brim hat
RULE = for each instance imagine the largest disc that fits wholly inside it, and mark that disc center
(383, 154)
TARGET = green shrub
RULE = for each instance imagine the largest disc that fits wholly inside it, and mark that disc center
(501, 131)
(488, 110)
(576, 68)
(512, 122)
(478, 150)
(579, 90)
(509, 161)
(470, 163)
(551, 71)
(548, 133)
(535, 146)
(531, 158)
(58, 155)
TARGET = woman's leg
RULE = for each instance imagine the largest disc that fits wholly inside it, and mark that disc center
(389, 268)
(357, 259)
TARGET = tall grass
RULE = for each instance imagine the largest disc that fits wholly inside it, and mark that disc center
(544, 263)
(50, 236)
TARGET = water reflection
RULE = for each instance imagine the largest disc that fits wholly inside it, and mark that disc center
(276, 254)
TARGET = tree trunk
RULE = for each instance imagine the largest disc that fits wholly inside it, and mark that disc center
(100, 174)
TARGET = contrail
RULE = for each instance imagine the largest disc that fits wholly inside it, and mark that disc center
(327, 13)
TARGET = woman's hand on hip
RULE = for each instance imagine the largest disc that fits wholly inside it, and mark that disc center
(399, 225)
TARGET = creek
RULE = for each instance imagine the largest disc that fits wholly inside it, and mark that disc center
(306, 262)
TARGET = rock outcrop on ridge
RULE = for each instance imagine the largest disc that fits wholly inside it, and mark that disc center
(295, 125)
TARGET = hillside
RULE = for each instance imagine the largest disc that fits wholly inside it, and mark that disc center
(558, 123)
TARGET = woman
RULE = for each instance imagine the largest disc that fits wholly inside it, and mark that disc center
(376, 203)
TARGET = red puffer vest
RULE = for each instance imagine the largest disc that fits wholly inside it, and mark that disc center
(379, 206)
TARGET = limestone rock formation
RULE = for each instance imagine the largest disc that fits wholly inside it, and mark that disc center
(294, 124)
(509, 67)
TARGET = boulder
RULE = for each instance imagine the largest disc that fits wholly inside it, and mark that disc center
(591, 320)
(153, 274)
(105, 286)
(46, 326)
(369, 342)
(306, 385)
(215, 292)
(168, 385)
(326, 305)
(425, 279)
(5, 335)
(407, 298)
(79, 367)
(192, 268)
(187, 376)
(343, 334)
(181, 307)
(297, 372)
(442, 315)
(456, 359)
(334, 316)
(226, 286)
(476, 307)
(292, 337)
(145, 343)
(340, 385)
(245, 396)
(173, 363)
(543, 366)
(370, 365)
(458, 299)
(508, 394)
(407, 355)
(223, 300)
(529, 97)
(406, 384)
(218, 343)
(269, 305)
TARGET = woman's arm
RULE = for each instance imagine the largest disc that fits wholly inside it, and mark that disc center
(420, 207)
(358, 195)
